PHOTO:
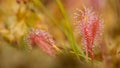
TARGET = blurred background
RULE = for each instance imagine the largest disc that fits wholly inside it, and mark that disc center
(17, 17)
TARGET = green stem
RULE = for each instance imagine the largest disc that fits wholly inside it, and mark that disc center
(69, 30)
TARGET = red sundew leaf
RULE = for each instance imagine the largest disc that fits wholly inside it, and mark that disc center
(45, 46)
(95, 28)
(41, 39)
(88, 41)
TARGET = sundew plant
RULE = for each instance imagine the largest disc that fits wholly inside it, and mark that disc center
(42, 34)
(90, 26)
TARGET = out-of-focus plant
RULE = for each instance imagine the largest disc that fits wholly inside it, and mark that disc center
(97, 4)
(115, 7)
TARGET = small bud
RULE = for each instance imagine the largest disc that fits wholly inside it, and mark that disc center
(25, 1)
(18, 1)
